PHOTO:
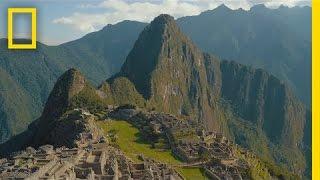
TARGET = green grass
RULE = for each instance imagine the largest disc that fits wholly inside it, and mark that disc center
(132, 144)
(192, 173)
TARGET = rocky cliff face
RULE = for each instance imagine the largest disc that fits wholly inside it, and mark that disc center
(174, 76)
(278, 40)
(168, 70)
(264, 100)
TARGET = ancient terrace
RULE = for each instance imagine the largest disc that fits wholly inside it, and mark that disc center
(91, 155)
(93, 158)
(194, 146)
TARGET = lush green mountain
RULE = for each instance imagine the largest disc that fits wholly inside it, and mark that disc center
(166, 72)
(281, 44)
(28, 76)
(248, 105)
(278, 40)
(61, 126)
(15, 103)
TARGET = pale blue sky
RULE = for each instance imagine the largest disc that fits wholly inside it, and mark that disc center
(64, 20)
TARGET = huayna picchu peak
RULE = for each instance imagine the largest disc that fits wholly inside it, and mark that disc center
(157, 47)
(201, 108)
(164, 19)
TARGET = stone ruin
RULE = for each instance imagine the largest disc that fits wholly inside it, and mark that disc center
(100, 162)
(195, 146)
(91, 158)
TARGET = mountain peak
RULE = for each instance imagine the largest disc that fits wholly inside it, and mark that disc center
(162, 23)
(159, 43)
(258, 7)
(163, 19)
(223, 7)
(71, 73)
(68, 85)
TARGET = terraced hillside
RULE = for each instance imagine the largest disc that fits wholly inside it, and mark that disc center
(132, 143)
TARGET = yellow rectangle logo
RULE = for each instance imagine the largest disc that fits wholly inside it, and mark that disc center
(33, 12)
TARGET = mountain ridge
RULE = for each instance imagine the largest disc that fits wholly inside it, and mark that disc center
(271, 45)
(204, 102)
(291, 69)
(183, 81)
(176, 77)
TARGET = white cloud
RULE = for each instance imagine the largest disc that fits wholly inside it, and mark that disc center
(84, 22)
(118, 10)
(292, 3)
(145, 11)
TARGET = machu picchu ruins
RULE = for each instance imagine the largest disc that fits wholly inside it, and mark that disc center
(90, 158)
(196, 147)
(76, 148)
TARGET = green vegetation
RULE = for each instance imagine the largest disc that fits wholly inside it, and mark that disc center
(15, 107)
(262, 169)
(250, 137)
(124, 92)
(231, 37)
(129, 140)
(31, 74)
(192, 173)
(88, 98)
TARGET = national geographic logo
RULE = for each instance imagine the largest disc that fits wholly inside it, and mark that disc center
(33, 12)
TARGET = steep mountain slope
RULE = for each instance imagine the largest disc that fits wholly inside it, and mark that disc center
(248, 105)
(32, 74)
(70, 86)
(278, 40)
(14, 103)
(70, 123)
